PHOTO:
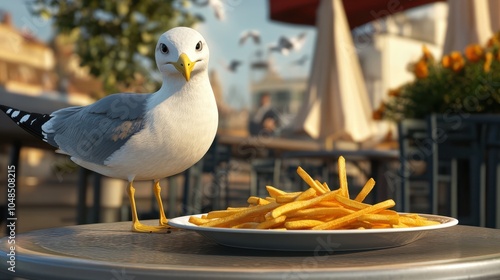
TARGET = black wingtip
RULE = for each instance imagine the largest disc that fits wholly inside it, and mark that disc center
(31, 122)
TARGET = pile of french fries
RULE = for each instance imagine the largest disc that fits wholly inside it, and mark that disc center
(317, 208)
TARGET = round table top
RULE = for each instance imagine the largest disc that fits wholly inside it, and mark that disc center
(112, 251)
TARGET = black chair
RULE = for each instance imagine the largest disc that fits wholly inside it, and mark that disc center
(459, 146)
(281, 172)
(493, 175)
(263, 172)
(216, 163)
(418, 172)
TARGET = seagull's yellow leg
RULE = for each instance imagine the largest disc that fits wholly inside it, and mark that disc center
(157, 192)
(136, 225)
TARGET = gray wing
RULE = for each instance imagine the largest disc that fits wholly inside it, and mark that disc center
(94, 132)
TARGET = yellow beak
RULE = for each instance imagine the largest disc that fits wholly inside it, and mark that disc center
(184, 65)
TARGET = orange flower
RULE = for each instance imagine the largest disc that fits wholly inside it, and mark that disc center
(446, 61)
(487, 63)
(457, 61)
(474, 52)
(395, 92)
(421, 70)
(427, 54)
(494, 40)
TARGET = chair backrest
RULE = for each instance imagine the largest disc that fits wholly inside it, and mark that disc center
(457, 136)
(417, 159)
(493, 135)
(215, 155)
(454, 129)
(414, 141)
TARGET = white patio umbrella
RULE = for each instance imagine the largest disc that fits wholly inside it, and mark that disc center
(336, 104)
(468, 23)
(495, 15)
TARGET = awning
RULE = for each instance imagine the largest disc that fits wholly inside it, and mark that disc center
(358, 12)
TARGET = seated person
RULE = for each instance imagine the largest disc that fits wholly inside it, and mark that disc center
(265, 120)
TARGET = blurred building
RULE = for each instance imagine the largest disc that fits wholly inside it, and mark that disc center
(26, 64)
(386, 49)
(286, 93)
(29, 66)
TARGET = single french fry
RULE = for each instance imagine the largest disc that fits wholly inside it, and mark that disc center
(380, 218)
(287, 197)
(253, 200)
(344, 191)
(367, 188)
(239, 217)
(197, 220)
(236, 208)
(271, 199)
(303, 224)
(221, 213)
(325, 185)
(400, 225)
(309, 181)
(328, 204)
(274, 192)
(276, 222)
(359, 225)
(381, 226)
(320, 211)
(388, 212)
(320, 186)
(349, 203)
(413, 216)
(340, 222)
(263, 201)
(309, 193)
(416, 222)
(246, 225)
(297, 205)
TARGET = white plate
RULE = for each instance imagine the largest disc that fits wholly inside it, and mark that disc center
(314, 240)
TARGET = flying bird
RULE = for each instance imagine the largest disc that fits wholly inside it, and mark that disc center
(301, 61)
(259, 64)
(140, 136)
(232, 66)
(286, 45)
(250, 34)
(216, 5)
(259, 54)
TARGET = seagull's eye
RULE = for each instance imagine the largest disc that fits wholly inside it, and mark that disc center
(199, 46)
(163, 48)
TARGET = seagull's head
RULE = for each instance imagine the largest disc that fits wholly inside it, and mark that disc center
(181, 52)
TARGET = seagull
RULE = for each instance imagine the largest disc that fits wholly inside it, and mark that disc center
(301, 61)
(250, 34)
(232, 66)
(140, 136)
(285, 44)
(216, 5)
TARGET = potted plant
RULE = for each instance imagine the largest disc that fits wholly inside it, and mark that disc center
(467, 82)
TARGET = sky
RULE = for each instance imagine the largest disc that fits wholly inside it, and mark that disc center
(222, 38)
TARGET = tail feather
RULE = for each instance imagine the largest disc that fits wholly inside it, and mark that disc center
(31, 122)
